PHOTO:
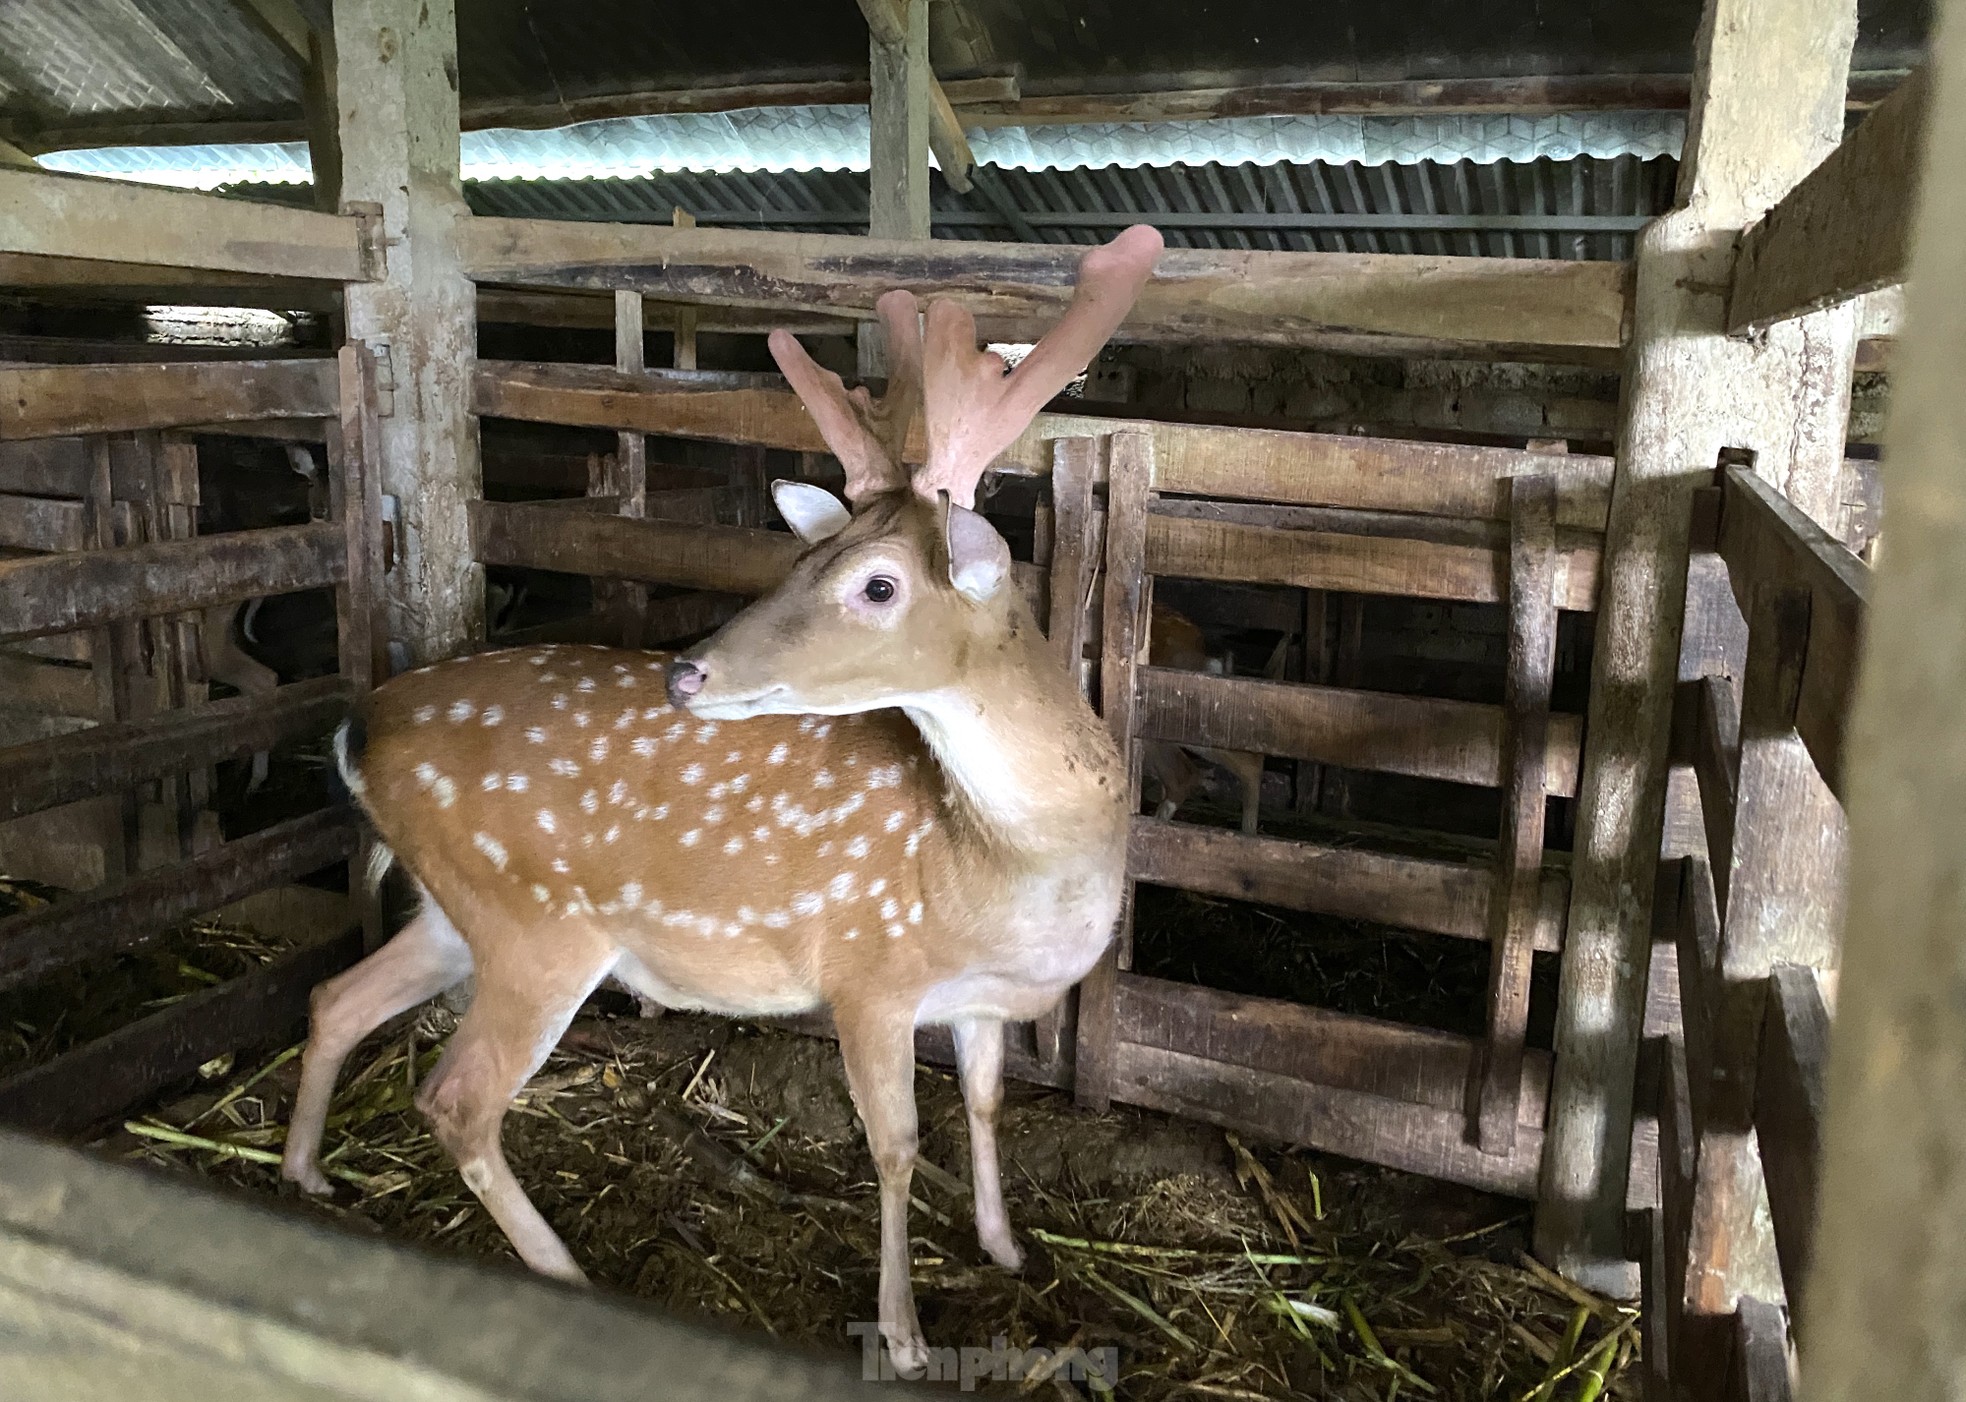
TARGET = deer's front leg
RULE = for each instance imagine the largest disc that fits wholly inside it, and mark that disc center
(878, 1047)
(979, 1058)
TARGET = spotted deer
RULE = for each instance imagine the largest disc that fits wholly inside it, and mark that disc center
(875, 792)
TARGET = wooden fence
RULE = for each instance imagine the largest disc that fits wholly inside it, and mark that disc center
(147, 592)
(1752, 910)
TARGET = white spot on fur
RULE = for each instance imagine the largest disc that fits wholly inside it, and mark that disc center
(445, 791)
(624, 681)
(584, 684)
(492, 783)
(618, 793)
(777, 919)
(893, 821)
(761, 834)
(719, 790)
(733, 756)
(461, 711)
(631, 893)
(692, 774)
(538, 659)
(705, 732)
(612, 835)
(547, 822)
(733, 845)
(535, 734)
(915, 913)
(823, 779)
(655, 713)
(885, 776)
(560, 865)
(858, 848)
(493, 715)
(598, 751)
(541, 894)
(890, 908)
(426, 774)
(590, 802)
(582, 719)
(692, 837)
(808, 903)
(675, 732)
(851, 935)
(644, 746)
(840, 888)
(714, 813)
(806, 723)
(740, 783)
(560, 701)
(778, 753)
(493, 849)
(755, 803)
(565, 768)
(518, 783)
(423, 715)
(877, 885)
(823, 731)
(895, 932)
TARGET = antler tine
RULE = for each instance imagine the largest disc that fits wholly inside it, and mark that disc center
(974, 410)
(868, 436)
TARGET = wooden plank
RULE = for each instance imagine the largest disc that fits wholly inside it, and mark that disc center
(724, 559)
(121, 1281)
(1716, 758)
(1695, 927)
(54, 593)
(1790, 1094)
(1335, 299)
(1417, 1065)
(898, 118)
(42, 523)
(1846, 229)
(893, 25)
(629, 479)
(355, 504)
(127, 913)
(1253, 554)
(1450, 480)
(1128, 600)
(1761, 1371)
(1343, 879)
(1763, 537)
(1415, 1138)
(107, 1078)
(113, 757)
(1429, 738)
(728, 558)
(72, 216)
(1074, 566)
(48, 401)
(1678, 1141)
(1495, 1084)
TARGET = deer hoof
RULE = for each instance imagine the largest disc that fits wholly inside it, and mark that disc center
(909, 1353)
(1002, 1248)
(308, 1178)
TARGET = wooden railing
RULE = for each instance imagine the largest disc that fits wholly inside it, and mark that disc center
(151, 588)
(1775, 616)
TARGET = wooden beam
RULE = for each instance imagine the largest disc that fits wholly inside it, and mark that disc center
(1788, 1116)
(1765, 540)
(892, 25)
(1424, 736)
(133, 911)
(1336, 299)
(55, 593)
(1439, 480)
(1845, 230)
(1888, 1285)
(50, 401)
(42, 524)
(101, 1080)
(725, 558)
(78, 216)
(897, 119)
(283, 23)
(11, 156)
(111, 758)
(1427, 97)
(1347, 880)
(1768, 107)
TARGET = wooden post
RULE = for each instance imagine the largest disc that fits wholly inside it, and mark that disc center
(684, 357)
(397, 96)
(897, 155)
(631, 460)
(1495, 1081)
(1768, 106)
(1888, 1282)
(1129, 600)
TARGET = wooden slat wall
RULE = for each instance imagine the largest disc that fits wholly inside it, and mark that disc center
(49, 401)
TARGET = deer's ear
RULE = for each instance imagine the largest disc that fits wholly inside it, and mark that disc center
(979, 560)
(813, 513)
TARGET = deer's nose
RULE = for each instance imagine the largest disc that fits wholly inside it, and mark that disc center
(686, 678)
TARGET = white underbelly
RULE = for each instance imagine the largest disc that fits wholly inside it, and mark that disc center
(638, 978)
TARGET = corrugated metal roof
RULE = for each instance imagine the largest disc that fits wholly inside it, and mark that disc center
(1581, 208)
(835, 138)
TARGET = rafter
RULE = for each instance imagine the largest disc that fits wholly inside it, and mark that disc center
(888, 25)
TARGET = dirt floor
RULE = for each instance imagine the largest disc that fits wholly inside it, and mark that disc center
(717, 1168)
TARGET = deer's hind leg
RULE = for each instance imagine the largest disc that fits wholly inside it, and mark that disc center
(522, 1005)
(979, 1058)
(426, 957)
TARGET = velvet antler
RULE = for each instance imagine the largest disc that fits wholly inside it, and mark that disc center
(865, 434)
(974, 410)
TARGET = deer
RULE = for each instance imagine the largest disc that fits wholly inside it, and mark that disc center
(874, 792)
(1175, 641)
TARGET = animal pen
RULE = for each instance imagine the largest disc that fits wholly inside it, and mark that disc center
(1689, 934)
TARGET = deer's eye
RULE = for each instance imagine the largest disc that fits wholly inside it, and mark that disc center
(879, 589)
